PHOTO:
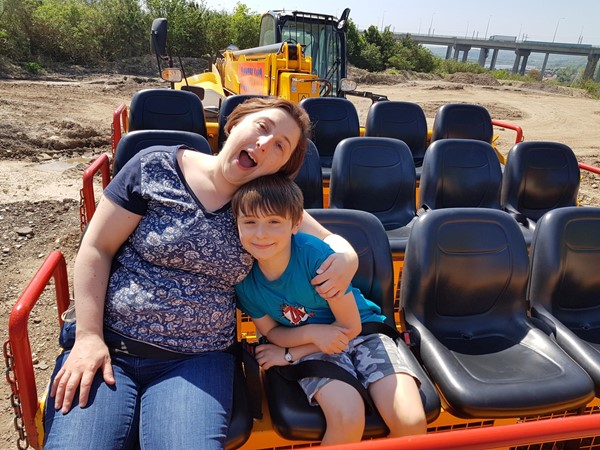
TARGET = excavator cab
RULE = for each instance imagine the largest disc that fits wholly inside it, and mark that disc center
(321, 36)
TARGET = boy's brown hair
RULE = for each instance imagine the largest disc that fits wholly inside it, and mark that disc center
(269, 195)
(252, 105)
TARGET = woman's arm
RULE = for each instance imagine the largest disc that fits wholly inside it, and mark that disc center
(109, 228)
(336, 272)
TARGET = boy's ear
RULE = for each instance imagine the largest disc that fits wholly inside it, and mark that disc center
(296, 227)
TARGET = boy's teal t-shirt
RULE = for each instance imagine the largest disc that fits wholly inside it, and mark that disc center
(291, 300)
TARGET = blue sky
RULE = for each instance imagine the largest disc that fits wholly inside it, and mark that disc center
(537, 20)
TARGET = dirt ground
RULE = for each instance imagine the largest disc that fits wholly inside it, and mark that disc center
(51, 128)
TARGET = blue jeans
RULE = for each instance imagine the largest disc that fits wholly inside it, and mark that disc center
(154, 403)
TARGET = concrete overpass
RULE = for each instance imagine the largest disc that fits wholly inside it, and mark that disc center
(456, 46)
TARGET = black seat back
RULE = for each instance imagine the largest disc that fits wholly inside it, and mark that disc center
(538, 177)
(227, 106)
(462, 121)
(465, 275)
(134, 141)
(460, 173)
(565, 259)
(310, 178)
(399, 120)
(166, 109)
(564, 288)
(333, 119)
(377, 175)
(364, 231)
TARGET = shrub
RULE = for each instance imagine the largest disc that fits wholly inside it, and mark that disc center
(32, 68)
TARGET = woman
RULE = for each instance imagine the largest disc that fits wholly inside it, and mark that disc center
(154, 292)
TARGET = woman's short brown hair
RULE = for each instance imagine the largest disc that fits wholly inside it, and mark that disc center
(298, 113)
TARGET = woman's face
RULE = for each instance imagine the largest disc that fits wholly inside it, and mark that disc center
(260, 144)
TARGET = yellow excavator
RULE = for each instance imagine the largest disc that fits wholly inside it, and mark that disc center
(300, 55)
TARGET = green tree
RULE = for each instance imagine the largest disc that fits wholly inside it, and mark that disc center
(188, 34)
(376, 51)
(355, 44)
(245, 27)
(126, 28)
(67, 30)
(16, 27)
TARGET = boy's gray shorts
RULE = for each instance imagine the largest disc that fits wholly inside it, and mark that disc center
(369, 358)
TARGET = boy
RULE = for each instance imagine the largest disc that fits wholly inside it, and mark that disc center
(301, 325)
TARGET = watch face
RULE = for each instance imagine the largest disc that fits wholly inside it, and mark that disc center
(288, 356)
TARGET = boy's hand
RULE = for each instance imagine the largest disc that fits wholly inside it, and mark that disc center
(269, 355)
(330, 338)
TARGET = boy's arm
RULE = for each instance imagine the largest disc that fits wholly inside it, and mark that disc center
(346, 314)
(327, 338)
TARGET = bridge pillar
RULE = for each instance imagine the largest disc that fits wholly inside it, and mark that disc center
(523, 64)
(449, 52)
(544, 66)
(483, 54)
(590, 67)
(494, 57)
(461, 48)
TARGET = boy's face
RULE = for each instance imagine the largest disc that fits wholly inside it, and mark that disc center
(267, 237)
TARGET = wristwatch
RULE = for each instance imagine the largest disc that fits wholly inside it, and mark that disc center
(288, 356)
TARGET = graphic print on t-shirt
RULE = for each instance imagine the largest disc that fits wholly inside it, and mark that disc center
(295, 314)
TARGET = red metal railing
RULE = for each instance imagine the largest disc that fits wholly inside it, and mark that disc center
(87, 196)
(490, 437)
(510, 126)
(589, 168)
(55, 267)
(119, 125)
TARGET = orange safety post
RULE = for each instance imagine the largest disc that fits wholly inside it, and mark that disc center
(18, 336)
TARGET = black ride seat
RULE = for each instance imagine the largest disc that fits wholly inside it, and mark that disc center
(166, 109)
(376, 175)
(310, 178)
(462, 121)
(292, 416)
(460, 173)
(134, 141)
(538, 177)
(333, 119)
(564, 287)
(227, 106)
(400, 120)
(463, 292)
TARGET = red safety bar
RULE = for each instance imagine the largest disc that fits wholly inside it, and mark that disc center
(87, 196)
(517, 129)
(589, 168)
(55, 267)
(490, 437)
(119, 125)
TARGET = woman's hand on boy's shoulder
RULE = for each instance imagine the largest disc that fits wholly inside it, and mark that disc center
(334, 275)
